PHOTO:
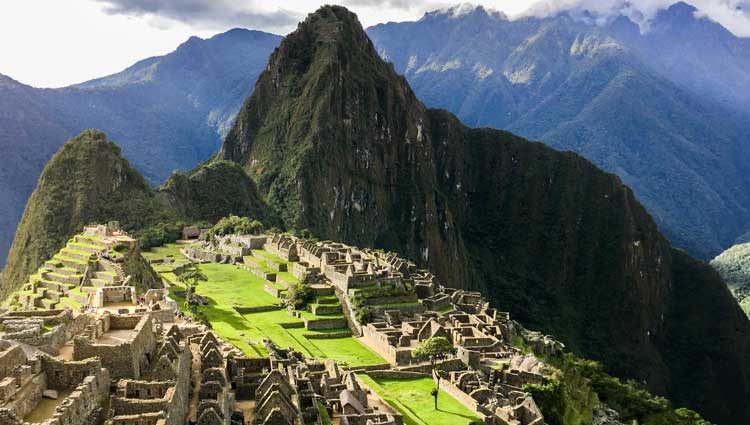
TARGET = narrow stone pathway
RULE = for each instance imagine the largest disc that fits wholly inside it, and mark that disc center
(194, 399)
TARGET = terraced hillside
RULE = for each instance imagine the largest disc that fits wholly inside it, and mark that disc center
(71, 278)
(245, 307)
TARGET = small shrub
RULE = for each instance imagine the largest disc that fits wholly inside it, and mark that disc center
(299, 294)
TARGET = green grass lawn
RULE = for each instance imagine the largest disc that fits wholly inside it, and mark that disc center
(230, 286)
(412, 398)
(170, 250)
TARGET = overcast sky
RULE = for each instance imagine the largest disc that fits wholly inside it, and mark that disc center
(54, 43)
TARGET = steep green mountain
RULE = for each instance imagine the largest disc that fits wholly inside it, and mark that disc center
(212, 191)
(337, 142)
(89, 181)
(168, 112)
(734, 266)
(86, 181)
(612, 94)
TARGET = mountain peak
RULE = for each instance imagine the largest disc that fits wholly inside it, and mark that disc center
(464, 10)
(682, 8)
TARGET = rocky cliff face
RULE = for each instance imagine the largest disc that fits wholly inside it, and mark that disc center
(337, 142)
(86, 181)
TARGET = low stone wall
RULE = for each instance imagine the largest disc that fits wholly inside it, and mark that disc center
(164, 316)
(66, 375)
(323, 309)
(276, 292)
(332, 335)
(51, 317)
(28, 396)
(323, 324)
(260, 309)
(396, 374)
(379, 343)
(49, 341)
(459, 395)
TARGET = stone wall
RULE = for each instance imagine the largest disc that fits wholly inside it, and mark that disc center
(125, 360)
(66, 375)
(85, 401)
(323, 324)
(12, 355)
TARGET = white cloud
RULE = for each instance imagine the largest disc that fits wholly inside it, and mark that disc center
(76, 40)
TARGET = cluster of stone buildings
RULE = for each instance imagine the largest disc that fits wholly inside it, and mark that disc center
(143, 366)
(405, 307)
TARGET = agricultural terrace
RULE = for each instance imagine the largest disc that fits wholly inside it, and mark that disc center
(230, 286)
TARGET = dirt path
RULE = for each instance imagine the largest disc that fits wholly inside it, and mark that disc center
(193, 407)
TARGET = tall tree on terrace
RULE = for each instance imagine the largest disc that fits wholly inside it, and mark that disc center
(433, 348)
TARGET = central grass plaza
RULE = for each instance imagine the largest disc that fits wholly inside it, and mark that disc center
(229, 286)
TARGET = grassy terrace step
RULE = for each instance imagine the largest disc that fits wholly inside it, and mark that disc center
(328, 299)
(70, 302)
(229, 286)
(89, 240)
(55, 286)
(75, 263)
(76, 254)
(110, 277)
(85, 247)
(396, 306)
(327, 310)
(100, 283)
(53, 264)
(54, 295)
(62, 278)
(68, 271)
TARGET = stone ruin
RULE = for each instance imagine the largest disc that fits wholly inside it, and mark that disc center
(25, 381)
(299, 391)
(406, 306)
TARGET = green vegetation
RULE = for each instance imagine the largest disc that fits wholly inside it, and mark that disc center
(228, 287)
(86, 181)
(234, 225)
(578, 386)
(299, 294)
(734, 266)
(409, 396)
(159, 234)
(214, 190)
(433, 348)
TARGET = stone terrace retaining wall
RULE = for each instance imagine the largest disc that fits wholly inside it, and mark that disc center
(322, 324)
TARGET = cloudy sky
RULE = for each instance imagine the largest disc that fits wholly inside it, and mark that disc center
(53, 43)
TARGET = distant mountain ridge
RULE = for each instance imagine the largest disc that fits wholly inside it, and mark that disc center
(168, 112)
(609, 93)
(633, 103)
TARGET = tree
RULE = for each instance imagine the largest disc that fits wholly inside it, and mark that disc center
(191, 277)
(300, 294)
(433, 348)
